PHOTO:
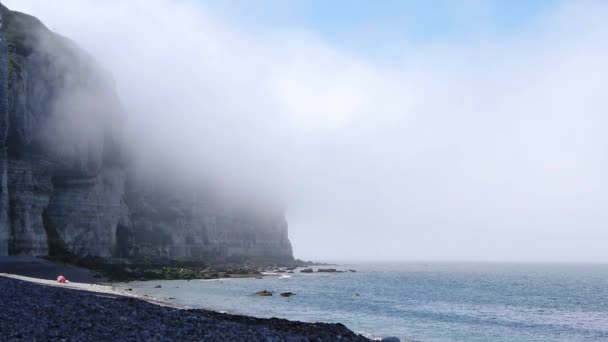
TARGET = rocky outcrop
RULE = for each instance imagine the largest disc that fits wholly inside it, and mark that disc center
(65, 184)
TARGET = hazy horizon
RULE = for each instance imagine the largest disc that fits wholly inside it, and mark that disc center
(391, 131)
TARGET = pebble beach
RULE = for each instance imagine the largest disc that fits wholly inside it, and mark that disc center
(36, 309)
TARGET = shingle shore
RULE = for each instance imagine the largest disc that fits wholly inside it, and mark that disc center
(30, 311)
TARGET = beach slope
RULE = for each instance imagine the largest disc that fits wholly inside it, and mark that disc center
(36, 309)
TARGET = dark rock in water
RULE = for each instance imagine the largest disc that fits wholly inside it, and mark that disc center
(306, 270)
(129, 289)
(327, 270)
(351, 270)
(157, 287)
(263, 293)
(391, 339)
(287, 294)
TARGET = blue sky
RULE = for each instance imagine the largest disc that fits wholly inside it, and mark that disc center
(429, 20)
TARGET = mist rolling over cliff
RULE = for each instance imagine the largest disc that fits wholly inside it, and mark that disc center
(449, 158)
(73, 185)
(491, 148)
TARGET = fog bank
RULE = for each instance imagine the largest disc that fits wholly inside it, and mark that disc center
(492, 148)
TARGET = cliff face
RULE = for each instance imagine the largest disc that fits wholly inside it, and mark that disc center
(63, 177)
(189, 224)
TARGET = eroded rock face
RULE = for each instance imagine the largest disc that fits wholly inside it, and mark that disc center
(63, 177)
(59, 189)
(4, 225)
(188, 224)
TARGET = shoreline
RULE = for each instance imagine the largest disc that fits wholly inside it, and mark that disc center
(125, 270)
(77, 310)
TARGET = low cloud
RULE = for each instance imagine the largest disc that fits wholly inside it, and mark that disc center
(482, 149)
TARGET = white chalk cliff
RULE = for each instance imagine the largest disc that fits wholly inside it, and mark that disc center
(66, 184)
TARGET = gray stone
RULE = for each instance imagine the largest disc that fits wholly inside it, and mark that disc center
(391, 339)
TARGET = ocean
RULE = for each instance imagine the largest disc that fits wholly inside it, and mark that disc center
(421, 301)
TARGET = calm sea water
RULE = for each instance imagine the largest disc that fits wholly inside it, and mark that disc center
(423, 302)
